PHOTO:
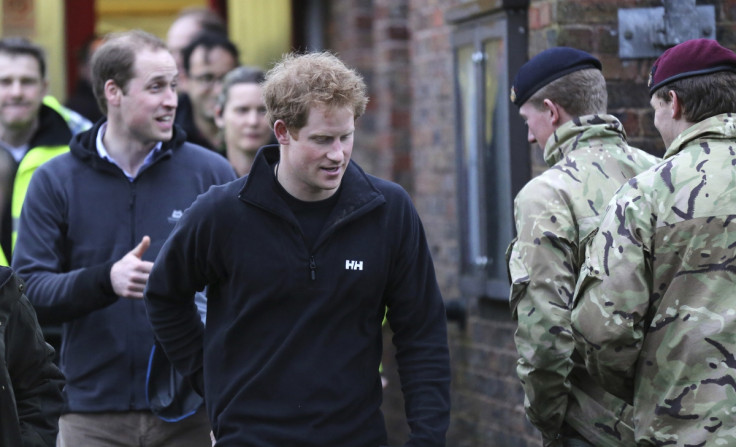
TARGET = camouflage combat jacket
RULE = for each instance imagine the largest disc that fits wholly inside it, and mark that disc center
(656, 299)
(589, 160)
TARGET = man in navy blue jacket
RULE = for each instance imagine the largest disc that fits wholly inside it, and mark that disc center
(302, 257)
(92, 223)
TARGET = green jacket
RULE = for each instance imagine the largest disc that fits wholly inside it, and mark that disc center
(57, 125)
(656, 299)
(589, 159)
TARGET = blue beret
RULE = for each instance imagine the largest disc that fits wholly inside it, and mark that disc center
(547, 66)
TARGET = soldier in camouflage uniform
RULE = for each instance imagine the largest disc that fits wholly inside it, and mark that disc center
(562, 97)
(655, 305)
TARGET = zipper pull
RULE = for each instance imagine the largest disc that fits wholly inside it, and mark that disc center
(312, 267)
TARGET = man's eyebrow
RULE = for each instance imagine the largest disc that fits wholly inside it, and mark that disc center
(158, 78)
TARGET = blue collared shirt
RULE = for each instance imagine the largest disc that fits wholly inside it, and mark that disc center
(105, 155)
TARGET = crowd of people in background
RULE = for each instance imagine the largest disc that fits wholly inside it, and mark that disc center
(234, 245)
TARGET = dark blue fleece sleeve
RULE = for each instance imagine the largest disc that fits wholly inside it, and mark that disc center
(416, 315)
(57, 295)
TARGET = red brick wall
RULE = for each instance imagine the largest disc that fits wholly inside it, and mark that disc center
(486, 395)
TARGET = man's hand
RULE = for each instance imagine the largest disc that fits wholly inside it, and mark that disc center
(130, 274)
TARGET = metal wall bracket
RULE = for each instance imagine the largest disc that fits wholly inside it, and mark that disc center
(647, 32)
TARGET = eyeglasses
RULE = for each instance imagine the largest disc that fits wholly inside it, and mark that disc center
(208, 79)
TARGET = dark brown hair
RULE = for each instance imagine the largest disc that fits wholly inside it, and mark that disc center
(703, 96)
(115, 60)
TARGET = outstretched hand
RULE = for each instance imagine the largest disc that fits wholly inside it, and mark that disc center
(130, 274)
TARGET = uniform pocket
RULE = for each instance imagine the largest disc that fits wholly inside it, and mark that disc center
(518, 276)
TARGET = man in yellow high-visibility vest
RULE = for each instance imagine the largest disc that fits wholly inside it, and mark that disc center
(33, 127)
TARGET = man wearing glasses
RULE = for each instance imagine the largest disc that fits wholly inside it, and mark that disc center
(206, 60)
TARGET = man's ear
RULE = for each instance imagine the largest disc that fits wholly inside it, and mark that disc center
(281, 132)
(112, 93)
(676, 110)
(553, 112)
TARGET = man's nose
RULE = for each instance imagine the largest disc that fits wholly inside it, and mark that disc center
(171, 99)
(336, 152)
(16, 89)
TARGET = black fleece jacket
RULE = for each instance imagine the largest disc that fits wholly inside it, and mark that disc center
(30, 383)
(291, 350)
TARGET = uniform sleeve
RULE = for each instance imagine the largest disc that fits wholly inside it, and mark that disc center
(416, 315)
(39, 258)
(543, 270)
(178, 274)
(613, 291)
(37, 382)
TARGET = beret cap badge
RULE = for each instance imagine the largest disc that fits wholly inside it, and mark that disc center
(513, 94)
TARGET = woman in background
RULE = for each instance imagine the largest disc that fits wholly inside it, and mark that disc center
(240, 114)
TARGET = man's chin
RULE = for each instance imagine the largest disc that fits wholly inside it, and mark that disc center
(17, 123)
(165, 135)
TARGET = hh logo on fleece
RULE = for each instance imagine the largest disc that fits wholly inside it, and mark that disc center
(175, 216)
(353, 265)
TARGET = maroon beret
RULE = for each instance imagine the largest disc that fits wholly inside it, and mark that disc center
(690, 58)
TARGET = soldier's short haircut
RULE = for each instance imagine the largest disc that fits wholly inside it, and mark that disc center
(582, 92)
(16, 46)
(300, 81)
(703, 96)
(115, 60)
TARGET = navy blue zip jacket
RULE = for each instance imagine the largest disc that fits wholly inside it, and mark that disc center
(291, 350)
(81, 215)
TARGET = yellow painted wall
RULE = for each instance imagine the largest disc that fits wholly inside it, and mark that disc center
(50, 35)
(260, 29)
(148, 15)
(153, 16)
(45, 26)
